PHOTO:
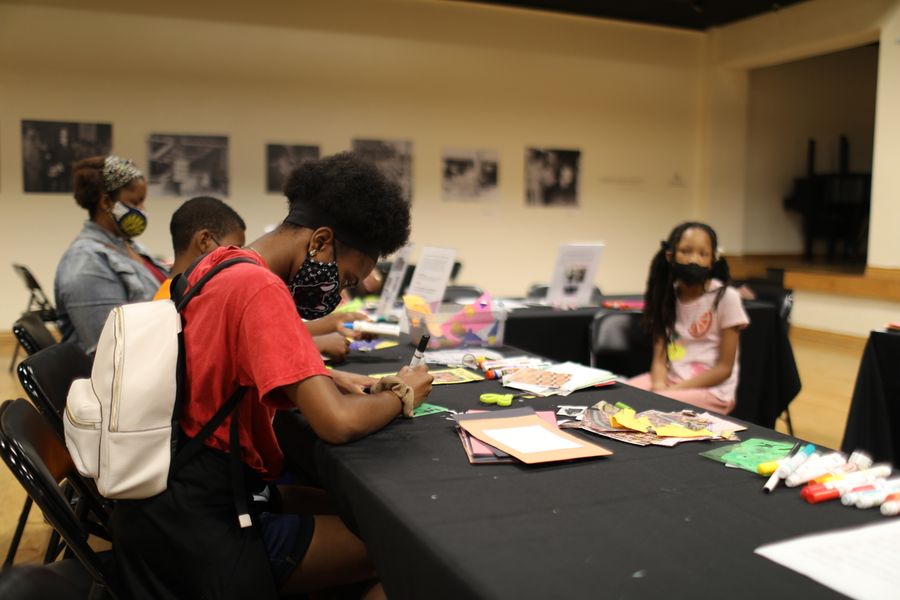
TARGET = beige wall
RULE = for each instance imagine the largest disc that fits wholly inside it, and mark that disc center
(660, 115)
(821, 98)
(625, 95)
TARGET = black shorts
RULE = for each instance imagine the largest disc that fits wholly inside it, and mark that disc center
(286, 537)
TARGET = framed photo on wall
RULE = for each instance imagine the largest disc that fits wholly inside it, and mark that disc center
(469, 174)
(281, 159)
(392, 157)
(187, 165)
(551, 177)
(49, 148)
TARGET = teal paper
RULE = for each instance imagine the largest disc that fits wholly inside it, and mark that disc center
(429, 409)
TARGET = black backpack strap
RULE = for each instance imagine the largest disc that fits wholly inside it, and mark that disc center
(190, 449)
(238, 485)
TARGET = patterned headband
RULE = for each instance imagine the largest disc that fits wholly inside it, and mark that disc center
(119, 172)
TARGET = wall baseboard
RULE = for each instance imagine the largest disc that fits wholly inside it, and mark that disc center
(829, 338)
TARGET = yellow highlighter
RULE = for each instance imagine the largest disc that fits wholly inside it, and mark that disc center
(767, 468)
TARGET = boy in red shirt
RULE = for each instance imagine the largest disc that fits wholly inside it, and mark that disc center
(242, 331)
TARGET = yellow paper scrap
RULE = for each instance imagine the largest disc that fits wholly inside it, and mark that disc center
(417, 304)
(681, 431)
(625, 419)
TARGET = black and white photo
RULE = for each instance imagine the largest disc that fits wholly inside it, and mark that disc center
(551, 177)
(469, 174)
(392, 157)
(281, 159)
(187, 165)
(50, 147)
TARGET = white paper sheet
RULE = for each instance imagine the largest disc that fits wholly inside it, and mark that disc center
(532, 438)
(861, 562)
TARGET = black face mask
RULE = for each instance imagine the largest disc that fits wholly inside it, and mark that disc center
(316, 288)
(691, 273)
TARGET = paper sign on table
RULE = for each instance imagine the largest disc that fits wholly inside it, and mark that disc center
(573, 276)
(432, 273)
(391, 288)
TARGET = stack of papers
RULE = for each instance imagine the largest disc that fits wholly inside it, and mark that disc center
(561, 379)
(520, 434)
(653, 427)
(480, 453)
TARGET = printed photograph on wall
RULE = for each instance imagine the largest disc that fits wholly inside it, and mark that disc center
(551, 177)
(50, 147)
(281, 159)
(187, 165)
(469, 174)
(392, 157)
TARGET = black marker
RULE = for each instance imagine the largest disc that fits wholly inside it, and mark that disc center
(419, 355)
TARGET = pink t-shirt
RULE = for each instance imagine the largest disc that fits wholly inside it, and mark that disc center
(698, 332)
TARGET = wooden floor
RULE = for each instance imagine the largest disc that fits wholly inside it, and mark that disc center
(819, 413)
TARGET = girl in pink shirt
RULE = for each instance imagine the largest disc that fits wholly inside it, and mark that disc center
(695, 320)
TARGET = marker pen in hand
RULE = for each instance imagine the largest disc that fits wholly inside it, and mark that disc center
(419, 355)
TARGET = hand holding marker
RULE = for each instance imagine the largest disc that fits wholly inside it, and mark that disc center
(419, 355)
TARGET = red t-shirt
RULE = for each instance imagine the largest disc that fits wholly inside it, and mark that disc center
(242, 329)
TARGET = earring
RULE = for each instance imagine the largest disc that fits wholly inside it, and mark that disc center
(312, 253)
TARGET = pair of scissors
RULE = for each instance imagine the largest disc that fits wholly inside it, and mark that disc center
(501, 399)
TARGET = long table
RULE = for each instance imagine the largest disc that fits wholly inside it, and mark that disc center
(874, 420)
(769, 379)
(644, 522)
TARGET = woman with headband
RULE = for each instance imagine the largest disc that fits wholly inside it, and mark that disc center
(104, 267)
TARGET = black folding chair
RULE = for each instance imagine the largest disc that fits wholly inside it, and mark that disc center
(37, 300)
(47, 376)
(31, 334)
(40, 461)
(619, 343)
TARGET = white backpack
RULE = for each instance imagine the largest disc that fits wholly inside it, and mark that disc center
(121, 425)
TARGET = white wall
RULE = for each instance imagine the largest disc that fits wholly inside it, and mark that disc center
(820, 98)
(625, 95)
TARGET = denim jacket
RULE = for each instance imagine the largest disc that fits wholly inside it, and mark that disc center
(94, 276)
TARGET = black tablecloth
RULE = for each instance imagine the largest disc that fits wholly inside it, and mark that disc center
(643, 523)
(874, 420)
(769, 379)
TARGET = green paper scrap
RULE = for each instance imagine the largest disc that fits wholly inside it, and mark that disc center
(429, 409)
(748, 454)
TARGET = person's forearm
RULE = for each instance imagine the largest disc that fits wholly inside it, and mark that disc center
(714, 376)
(362, 414)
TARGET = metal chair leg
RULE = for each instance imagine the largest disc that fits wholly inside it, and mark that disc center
(12, 363)
(17, 536)
(787, 420)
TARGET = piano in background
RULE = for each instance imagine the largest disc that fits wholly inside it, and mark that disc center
(834, 206)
